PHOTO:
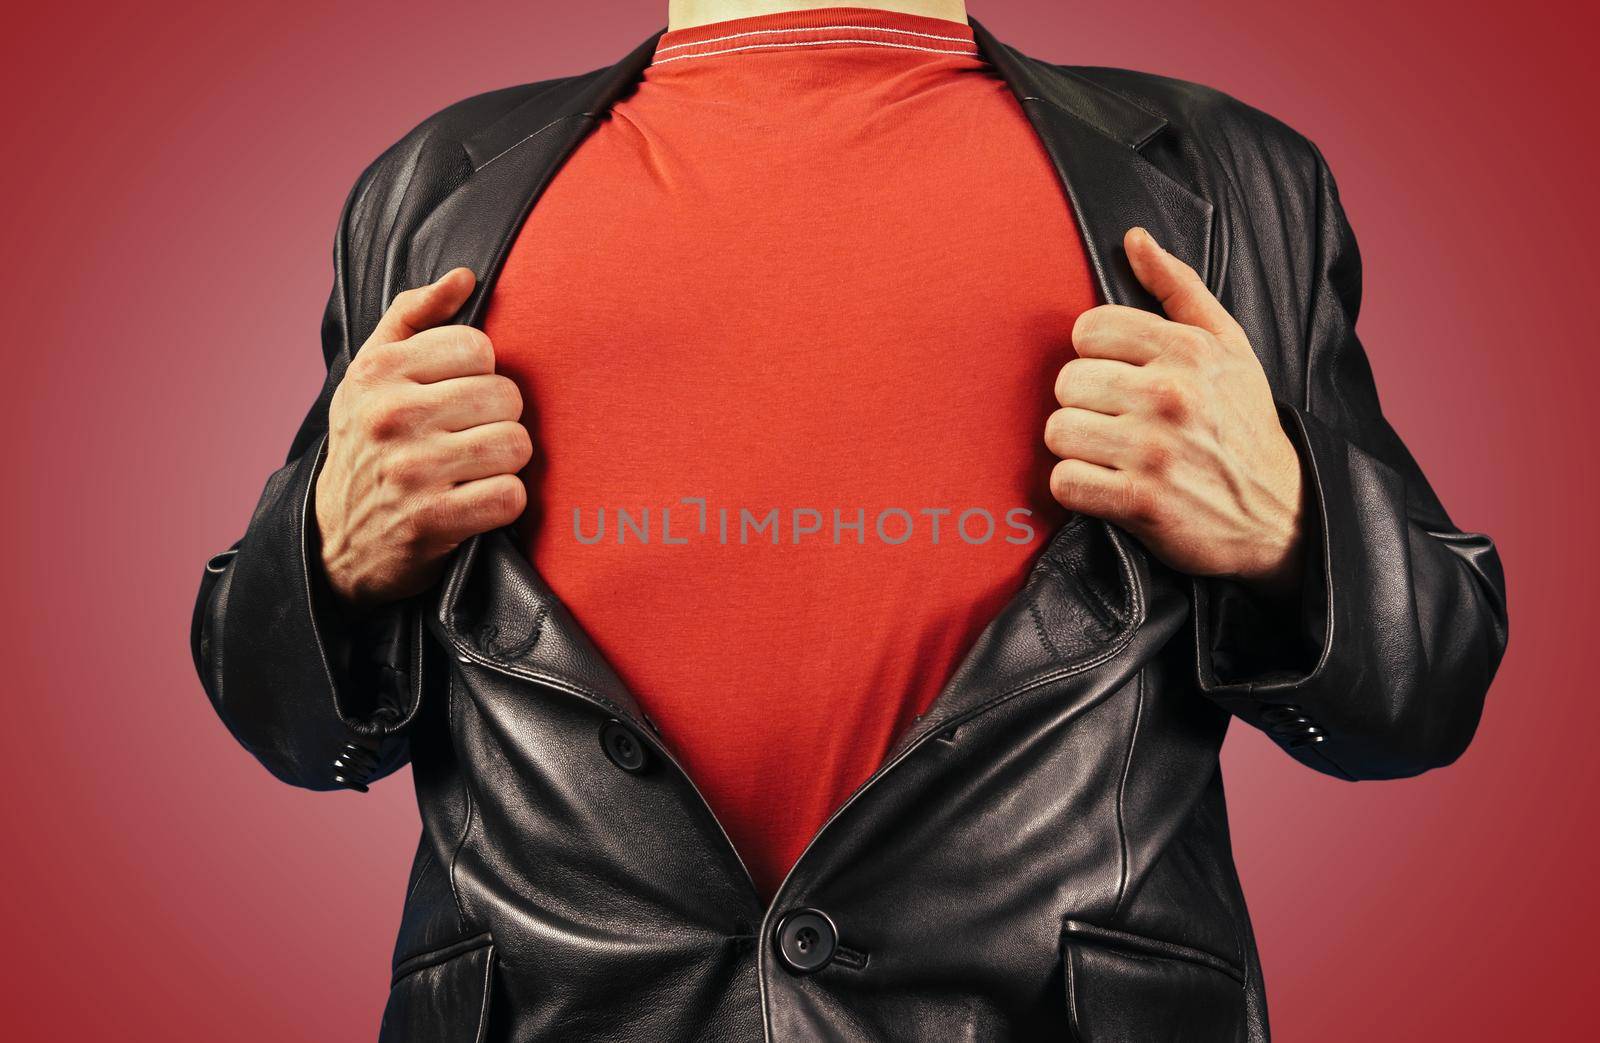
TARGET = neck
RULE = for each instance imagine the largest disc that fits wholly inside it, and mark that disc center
(685, 14)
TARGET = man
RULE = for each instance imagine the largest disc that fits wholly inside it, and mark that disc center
(936, 448)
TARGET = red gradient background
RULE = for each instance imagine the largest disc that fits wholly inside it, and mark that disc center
(173, 177)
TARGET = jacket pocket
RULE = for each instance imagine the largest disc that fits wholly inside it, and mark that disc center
(1129, 988)
(442, 996)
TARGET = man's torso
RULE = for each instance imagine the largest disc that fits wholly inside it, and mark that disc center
(807, 267)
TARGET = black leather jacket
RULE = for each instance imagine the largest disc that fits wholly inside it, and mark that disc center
(1045, 852)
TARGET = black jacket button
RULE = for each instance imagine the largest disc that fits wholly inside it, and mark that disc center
(806, 939)
(623, 746)
(1279, 714)
(1292, 726)
(355, 766)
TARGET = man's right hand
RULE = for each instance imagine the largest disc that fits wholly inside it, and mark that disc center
(425, 443)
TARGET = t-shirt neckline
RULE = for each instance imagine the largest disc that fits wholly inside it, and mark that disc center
(820, 28)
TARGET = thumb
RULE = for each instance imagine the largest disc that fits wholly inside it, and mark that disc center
(422, 307)
(1183, 296)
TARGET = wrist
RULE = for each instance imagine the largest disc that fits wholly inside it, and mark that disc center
(1278, 570)
(1279, 578)
(324, 555)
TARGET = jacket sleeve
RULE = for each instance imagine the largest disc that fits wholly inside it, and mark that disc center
(1380, 668)
(320, 698)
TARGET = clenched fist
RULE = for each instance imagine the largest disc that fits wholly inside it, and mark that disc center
(425, 443)
(1168, 428)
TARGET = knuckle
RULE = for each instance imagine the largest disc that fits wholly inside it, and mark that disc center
(519, 446)
(404, 468)
(1137, 501)
(1183, 298)
(503, 501)
(1068, 486)
(1087, 326)
(1202, 344)
(370, 363)
(339, 405)
(478, 349)
(505, 399)
(1072, 380)
(387, 420)
(1170, 399)
(377, 423)
(502, 446)
(428, 519)
(406, 299)
(1055, 431)
(1155, 458)
(468, 343)
(1061, 484)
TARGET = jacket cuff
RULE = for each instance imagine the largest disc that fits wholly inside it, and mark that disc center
(373, 656)
(1256, 655)
(317, 693)
(1249, 639)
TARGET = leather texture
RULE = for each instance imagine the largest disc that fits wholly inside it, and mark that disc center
(1045, 853)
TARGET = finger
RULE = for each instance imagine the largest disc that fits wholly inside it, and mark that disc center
(1116, 331)
(1093, 489)
(475, 507)
(1182, 293)
(465, 402)
(1081, 434)
(415, 310)
(502, 447)
(441, 353)
(1108, 386)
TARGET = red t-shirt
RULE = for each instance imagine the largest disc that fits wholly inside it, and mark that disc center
(817, 262)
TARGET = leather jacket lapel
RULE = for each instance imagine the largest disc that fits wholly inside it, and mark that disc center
(510, 618)
(1093, 137)
(512, 160)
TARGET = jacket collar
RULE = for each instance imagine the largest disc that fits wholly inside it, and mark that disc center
(593, 93)
(588, 95)
(1118, 118)
(1092, 134)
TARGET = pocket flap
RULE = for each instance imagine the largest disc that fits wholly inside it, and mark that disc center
(1124, 988)
(442, 996)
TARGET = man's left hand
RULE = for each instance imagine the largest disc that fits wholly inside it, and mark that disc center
(1168, 428)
